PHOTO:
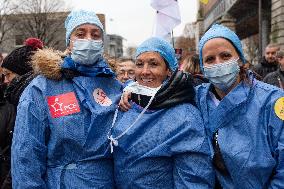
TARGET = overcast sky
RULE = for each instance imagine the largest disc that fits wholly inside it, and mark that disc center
(134, 19)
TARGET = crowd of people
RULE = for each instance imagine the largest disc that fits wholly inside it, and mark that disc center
(80, 120)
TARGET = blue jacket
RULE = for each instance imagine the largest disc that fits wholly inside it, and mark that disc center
(165, 149)
(250, 134)
(60, 135)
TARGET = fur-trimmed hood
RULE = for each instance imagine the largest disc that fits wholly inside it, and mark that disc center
(47, 62)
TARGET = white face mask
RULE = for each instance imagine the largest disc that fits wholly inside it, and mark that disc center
(140, 89)
(87, 52)
(223, 75)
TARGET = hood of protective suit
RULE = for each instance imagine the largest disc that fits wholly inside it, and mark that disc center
(47, 62)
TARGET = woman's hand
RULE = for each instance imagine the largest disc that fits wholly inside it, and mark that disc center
(124, 104)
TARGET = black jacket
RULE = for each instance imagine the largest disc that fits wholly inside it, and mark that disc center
(275, 78)
(263, 68)
(198, 79)
(16, 88)
(7, 121)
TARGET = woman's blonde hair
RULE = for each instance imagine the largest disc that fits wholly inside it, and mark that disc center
(191, 64)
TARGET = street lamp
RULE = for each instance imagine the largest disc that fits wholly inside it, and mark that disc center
(260, 27)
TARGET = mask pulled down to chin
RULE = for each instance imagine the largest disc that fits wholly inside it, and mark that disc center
(136, 88)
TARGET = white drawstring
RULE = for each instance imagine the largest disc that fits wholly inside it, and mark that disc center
(114, 140)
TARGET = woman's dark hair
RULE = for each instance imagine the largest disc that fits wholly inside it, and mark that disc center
(244, 74)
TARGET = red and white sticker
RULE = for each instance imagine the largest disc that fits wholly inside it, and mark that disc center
(101, 97)
(64, 104)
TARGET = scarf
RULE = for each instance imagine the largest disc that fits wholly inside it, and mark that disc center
(101, 68)
(177, 90)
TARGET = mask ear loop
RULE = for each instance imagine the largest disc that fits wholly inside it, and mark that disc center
(114, 140)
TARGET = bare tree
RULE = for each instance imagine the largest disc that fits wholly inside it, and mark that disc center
(186, 44)
(43, 19)
(7, 7)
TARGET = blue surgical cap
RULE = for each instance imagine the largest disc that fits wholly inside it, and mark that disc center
(219, 31)
(162, 47)
(79, 17)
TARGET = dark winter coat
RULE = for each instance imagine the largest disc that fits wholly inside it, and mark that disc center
(16, 88)
(263, 68)
(7, 121)
(198, 79)
(275, 78)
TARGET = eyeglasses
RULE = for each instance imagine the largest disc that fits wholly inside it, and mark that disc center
(130, 73)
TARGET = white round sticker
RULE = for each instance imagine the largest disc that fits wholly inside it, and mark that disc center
(101, 97)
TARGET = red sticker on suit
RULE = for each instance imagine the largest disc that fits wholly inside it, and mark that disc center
(62, 105)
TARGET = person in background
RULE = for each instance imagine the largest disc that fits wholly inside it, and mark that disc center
(192, 66)
(125, 69)
(7, 119)
(111, 61)
(243, 116)
(17, 73)
(17, 69)
(160, 142)
(1, 58)
(277, 78)
(2, 77)
(65, 113)
(269, 62)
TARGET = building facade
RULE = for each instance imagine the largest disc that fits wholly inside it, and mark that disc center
(243, 17)
(51, 31)
(114, 45)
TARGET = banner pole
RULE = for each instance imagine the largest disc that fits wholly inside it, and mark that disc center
(173, 41)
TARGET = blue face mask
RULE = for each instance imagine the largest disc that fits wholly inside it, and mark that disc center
(87, 52)
(223, 75)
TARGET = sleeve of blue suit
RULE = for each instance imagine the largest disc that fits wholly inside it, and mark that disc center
(276, 136)
(28, 148)
(194, 169)
(186, 177)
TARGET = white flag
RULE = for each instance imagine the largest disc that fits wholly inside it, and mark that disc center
(167, 17)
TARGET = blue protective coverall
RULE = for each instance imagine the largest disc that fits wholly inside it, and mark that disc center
(166, 148)
(65, 151)
(250, 134)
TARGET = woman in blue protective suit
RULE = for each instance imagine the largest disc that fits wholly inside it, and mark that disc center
(65, 113)
(243, 116)
(160, 142)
